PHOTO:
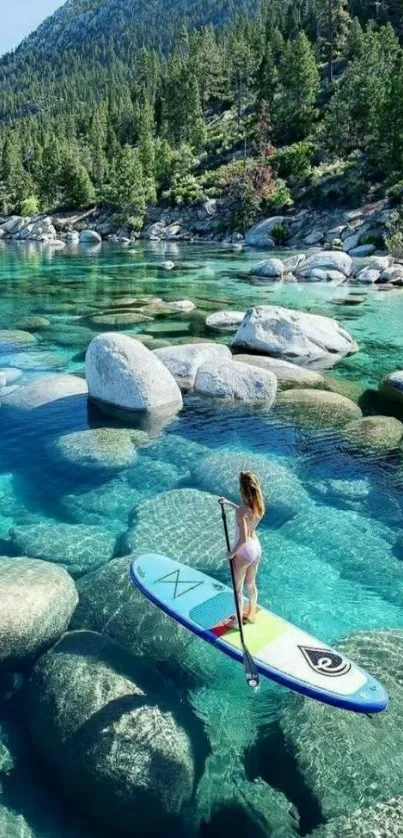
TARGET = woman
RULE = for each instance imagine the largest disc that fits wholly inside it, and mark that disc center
(247, 551)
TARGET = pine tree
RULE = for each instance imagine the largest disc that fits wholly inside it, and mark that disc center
(78, 190)
(333, 25)
(127, 183)
(299, 82)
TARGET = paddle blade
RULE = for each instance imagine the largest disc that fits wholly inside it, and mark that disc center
(251, 673)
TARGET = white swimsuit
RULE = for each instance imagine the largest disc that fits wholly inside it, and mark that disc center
(251, 551)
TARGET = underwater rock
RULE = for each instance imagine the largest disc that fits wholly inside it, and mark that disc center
(37, 600)
(118, 320)
(184, 524)
(126, 756)
(236, 382)
(293, 335)
(112, 605)
(15, 337)
(32, 361)
(392, 385)
(288, 375)
(114, 502)
(123, 373)
(76, 547)
(10, 375)
(350, 494)
(379, 433)
(182, 305)
(184, 361)
(219, 473)
(97, 449)
(44, 391)
(318, 408)
(32, 323)
(172, 448)
(225, 321)
(380, 820)
(347, 760)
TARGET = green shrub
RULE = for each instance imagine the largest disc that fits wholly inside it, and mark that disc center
(395, 192)
(280, 197)
(30, 206)
(279, 234)
(294, 161)
(394, 236)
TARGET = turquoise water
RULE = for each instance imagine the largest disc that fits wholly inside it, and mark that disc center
(330, 561)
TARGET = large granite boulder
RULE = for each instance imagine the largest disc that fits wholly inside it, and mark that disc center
(346, 760)
(110, 732)
(236, 382)
(184, 361)
(76, 547)
(318, 408)
(184, 524)
(270, 268)
(284, 494)
(288, 375)
(260, 235)
(43, 391)
(328, 260)
(380, 819)
(392, 385)
(378, 433)
(112, 605)
(37, 600)
(97, 450)
(124, 374)
(90, 237)
(294, 335)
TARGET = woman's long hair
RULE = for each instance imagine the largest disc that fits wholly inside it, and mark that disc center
(252, 492)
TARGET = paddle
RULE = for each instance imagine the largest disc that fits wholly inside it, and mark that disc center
(251, 673)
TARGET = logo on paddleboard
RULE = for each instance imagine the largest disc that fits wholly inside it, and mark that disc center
(325, 661)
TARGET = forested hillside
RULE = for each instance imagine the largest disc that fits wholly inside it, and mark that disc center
(129, 103)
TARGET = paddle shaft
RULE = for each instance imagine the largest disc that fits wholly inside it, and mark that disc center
(251, 673)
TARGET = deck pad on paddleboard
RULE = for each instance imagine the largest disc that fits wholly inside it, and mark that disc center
(281, 651)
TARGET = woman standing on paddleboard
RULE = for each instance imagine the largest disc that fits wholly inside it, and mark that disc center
(246, 552)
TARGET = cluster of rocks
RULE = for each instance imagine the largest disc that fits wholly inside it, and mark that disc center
(45, 230)
(332, 266)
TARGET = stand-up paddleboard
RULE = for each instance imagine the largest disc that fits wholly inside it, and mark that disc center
(281, 651)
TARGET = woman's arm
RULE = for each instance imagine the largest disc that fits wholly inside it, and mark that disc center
(225, 502)
(243, 533)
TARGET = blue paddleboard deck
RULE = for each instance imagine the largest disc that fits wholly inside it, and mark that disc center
(281, 651)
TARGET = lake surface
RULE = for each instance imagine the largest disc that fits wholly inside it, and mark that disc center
(330, 563)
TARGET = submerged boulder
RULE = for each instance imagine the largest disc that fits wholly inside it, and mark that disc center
(112, 605)
(126, 756)
(37, 600)
(184, 361)
(288, 375)
(291, 335)
(184, 524)
(379, 433)
(15, 337)
(225, 321)
(346, 760)
(123, 373)
(97, 449)
(392, 385)
(318, 408)
(90, 237)
(44, 391)
(236, 382)
(76, 547)
(381, 819)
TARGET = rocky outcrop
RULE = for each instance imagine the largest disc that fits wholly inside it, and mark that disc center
(377, 433)
(126, 756)
(260, 234)
(225, 321)
(77, 548)
(328, 260)
(236, 382)
(288, 375)
(37, 600)
(183, 361)
(291, 335)
(318, 408)
(124, 374)
(270, 268)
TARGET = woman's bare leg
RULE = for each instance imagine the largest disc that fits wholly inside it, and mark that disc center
(250, 579)
(240, 569)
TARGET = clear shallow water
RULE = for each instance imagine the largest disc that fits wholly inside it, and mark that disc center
(334, 516)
